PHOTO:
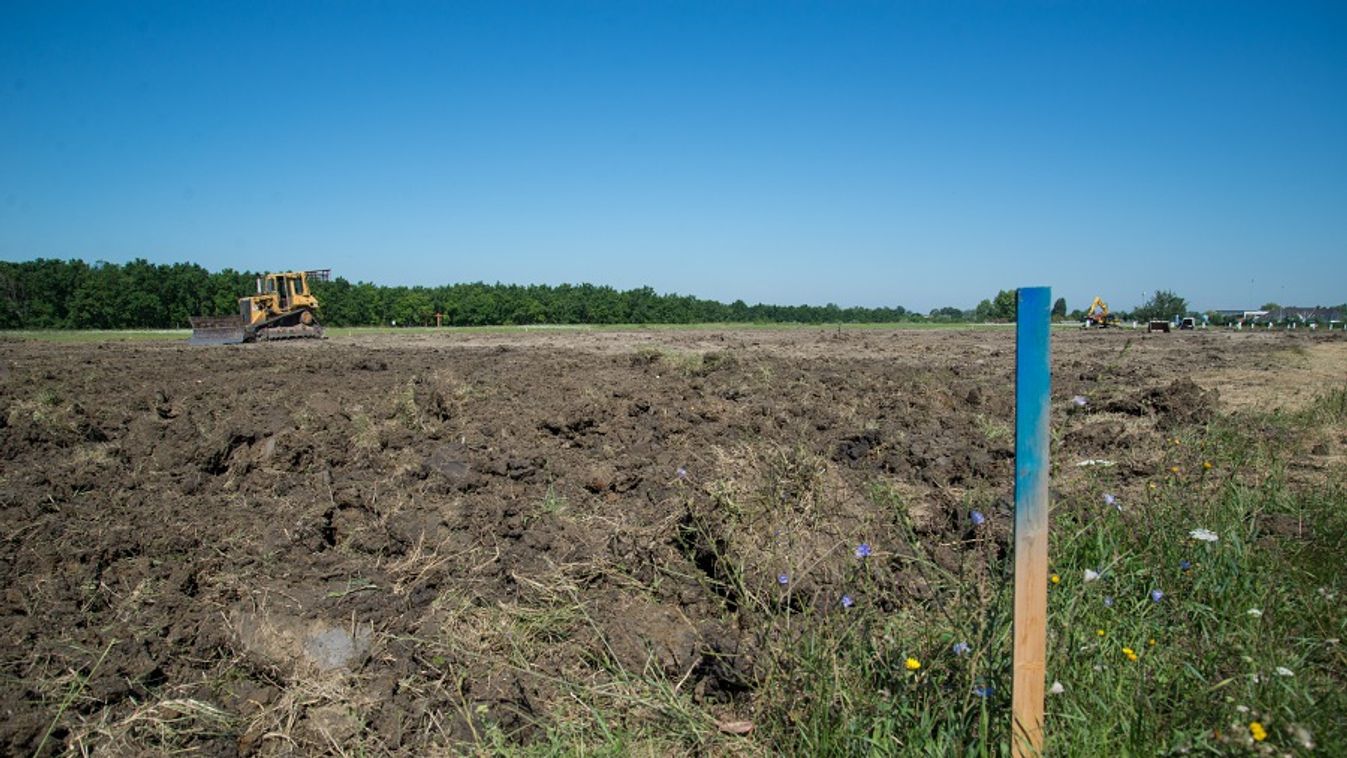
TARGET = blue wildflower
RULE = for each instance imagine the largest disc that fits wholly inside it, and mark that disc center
(681, 473)
(1110, 499)
(977, 518)
(783, 578)
(1108, 601)
(1157, 595)
(847, 602)
(984, 690)
(961, 648)
(1079, 401)
(1185, 564)
(863, 550)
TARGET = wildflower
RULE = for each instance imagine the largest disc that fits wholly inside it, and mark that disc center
(1055, 579)
(1152, 485)
(863, 550)
(1151, 642)
(1204, 535)
(1130, 653)
(1091, 575)
(1109, 499)
(1257, 731)
(1284, 671)
(1099, 632)
(1256, 612)
(1108, 601)
(1079, 401)
(912, 664)
(783, 578)
(1157, 595)
(1056, 688)
(1206, 465)
(681, 473)
(847, 602)
(1242, 708)
(1174, 470)
(984, 690)
(977, 518)
(1185, 564)
(961, 648)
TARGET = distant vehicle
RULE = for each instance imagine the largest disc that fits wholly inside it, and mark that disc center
(1188, 323)
(283, 308)
(1098, 316)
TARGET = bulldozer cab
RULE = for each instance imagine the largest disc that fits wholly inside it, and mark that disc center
(286, 291)
(287, 288)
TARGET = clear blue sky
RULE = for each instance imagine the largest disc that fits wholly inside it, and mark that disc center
(917, 154)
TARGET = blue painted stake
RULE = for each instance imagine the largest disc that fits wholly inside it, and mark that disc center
(1032, 383)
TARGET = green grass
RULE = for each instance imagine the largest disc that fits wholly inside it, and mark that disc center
(1205, 657)
(351, 330)
(96, 335)
(134, 335)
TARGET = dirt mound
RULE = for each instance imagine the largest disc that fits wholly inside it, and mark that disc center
(1180, 402)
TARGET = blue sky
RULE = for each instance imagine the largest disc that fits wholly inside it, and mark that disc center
(919, 154)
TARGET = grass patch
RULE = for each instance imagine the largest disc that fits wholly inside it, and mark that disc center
(145, 335)
(1161, 639)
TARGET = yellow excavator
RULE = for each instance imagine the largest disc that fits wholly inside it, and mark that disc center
(283, 308)
(1098, 315)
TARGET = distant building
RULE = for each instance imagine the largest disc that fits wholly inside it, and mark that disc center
(1306, 315)
(1239, 315)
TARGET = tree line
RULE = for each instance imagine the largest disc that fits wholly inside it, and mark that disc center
(72, 294)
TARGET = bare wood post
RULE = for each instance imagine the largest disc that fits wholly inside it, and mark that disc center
(1032, 384)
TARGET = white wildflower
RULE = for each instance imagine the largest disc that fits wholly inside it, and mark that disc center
(1091, 575)
(1056, 688)
(1242, 708)
(1256, 612)
(1206, 535)
(1284, 671)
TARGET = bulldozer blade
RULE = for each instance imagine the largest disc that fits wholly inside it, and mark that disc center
(226, 330)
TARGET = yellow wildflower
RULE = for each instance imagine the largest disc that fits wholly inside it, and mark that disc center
(1056, 579)
(1173, 469)
(1151, 642)
(1257, 731)
(912, 664)
(1099, 632)
(1206, 465)
(1130, 653)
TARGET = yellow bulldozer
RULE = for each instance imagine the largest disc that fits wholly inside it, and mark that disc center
(283, 308)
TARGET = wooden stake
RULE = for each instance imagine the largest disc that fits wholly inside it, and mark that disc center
(1032, 384)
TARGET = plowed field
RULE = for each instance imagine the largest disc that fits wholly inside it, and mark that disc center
(399, 543)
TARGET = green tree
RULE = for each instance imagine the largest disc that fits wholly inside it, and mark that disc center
(948, 314)
(1059, 309)
(1002, 307)
(1162, 306)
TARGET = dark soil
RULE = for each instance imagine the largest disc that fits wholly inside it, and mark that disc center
(496, 514)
